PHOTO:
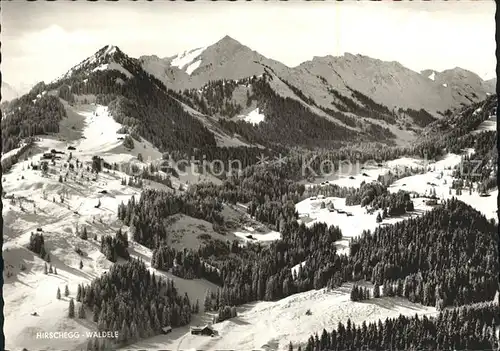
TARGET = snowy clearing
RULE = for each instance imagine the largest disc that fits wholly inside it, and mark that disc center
(272, 325)
(253, 117)
(251, 235)
(489, 125)
(352, 220)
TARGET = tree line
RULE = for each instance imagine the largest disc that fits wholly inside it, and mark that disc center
(465, 328)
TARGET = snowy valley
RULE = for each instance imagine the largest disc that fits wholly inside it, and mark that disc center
(108, 206)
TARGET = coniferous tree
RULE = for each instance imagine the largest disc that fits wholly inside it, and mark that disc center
(58, 293)
(79, 293)
(66, 291)
(81, 312)
(71, 310)
(84, 234)
(207, 304)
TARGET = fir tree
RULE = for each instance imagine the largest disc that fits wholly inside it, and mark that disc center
(79, 293)
(84, 234)
(66, 291)
(58, 293)
(71, 309)
(81, 311)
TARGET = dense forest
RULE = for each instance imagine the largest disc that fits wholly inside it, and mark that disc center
(131, 300)
(30, 115)
(422, 118)
(214, 99)
(366, 108)
(446, 257)
(147, 216)
(114, 247)
(481, 166)
(452, 133)
(432, 256)
(304, 128)
(465, 328)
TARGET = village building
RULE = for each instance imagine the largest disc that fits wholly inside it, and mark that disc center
(203, 330)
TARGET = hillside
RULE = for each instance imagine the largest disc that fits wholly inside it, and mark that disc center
(63, 201)
(326, 85)
(205, 98)
(350, 207)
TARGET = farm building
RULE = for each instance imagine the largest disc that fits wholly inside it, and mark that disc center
(203, 330)
(166, 330)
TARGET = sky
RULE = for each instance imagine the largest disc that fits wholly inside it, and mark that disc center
(42, 40)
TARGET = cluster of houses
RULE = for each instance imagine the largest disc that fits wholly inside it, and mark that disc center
(206, 330)
(330, 206)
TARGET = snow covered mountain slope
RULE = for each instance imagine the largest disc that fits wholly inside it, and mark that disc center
(226, 59)
(59, 203)
(391, 84)
(394, 85)
(465, 86)
(109, 57)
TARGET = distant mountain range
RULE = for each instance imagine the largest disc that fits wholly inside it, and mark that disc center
(388, 83)
(322, 102)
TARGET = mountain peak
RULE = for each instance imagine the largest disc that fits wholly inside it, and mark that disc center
(107, 50)
(228, 41)
(107, 57)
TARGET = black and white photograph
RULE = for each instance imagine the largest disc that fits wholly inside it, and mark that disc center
(249, 175)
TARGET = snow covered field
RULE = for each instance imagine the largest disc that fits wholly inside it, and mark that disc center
(37, 204)
(12, 152)
(438, 177)
(353, 174)
(310, 212)
(250, 235)
(489, 125)
(272, 325)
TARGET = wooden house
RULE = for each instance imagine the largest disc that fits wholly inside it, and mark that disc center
(203, 330)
